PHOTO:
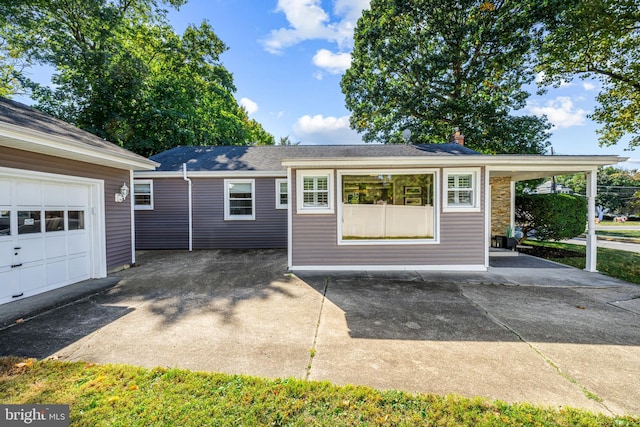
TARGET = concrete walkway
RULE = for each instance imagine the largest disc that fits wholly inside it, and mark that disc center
(525, 331)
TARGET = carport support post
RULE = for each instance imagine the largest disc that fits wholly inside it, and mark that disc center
(592, 243)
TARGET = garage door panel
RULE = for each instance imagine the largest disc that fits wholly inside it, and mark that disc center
(30, 249)
(77, 243)
(6, 253)
(32, 278)
(9, 285)
(28, 193)
(54, 194)
(5, 191)
(77, 196)
(79, 268)
(55, 246)
(57, 272)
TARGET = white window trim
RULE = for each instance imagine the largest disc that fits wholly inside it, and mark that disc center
(148, 207)
(371, 242)
(227, 210)
(300, 175)
(278, 193)
(475, 187)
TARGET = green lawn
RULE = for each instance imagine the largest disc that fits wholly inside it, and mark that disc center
(618, 224)
(619, 264)
(634, 234)
(118, 395)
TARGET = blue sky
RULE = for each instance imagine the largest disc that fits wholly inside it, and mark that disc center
(287, 58)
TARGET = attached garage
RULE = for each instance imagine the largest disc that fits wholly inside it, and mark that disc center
(62, 217)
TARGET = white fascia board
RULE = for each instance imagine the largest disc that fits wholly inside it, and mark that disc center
(210, 174)
(508, 161)
(23, 138)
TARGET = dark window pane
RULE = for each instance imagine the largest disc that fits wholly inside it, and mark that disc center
(5, 223)
(28, 222)
(143, 199)
(76, 220)
(54, 220)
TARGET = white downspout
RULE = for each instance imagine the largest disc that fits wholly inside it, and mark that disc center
(184, 176)
(133, 219)
(592, 242)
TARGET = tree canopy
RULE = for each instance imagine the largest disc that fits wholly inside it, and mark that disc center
(598, 39)
(121, 72)
(435, 65)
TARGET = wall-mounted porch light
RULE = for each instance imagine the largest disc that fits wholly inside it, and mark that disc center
(122, 195)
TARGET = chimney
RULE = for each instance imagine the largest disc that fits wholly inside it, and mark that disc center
(458, 138)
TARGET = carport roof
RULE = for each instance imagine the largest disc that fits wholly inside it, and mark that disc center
(26, 128)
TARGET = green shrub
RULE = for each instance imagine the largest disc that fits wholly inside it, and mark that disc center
(551, 216)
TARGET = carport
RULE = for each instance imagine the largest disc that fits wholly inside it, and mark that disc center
(506, 170)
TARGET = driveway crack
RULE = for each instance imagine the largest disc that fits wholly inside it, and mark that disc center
(312, 350)
(587, 393)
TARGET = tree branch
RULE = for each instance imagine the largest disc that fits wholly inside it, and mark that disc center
(615, 76)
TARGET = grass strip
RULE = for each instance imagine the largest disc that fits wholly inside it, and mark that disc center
(622, 265)
(120, 395)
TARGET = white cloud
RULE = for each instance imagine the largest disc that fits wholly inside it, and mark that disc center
(318, 75)
(561, 112)
(325, 130)
(308, 20)
(249, 105)
(334, 63)
(588, 86)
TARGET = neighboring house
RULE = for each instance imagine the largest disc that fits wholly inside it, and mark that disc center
(392, 207)
(62, 217)
(547, 187)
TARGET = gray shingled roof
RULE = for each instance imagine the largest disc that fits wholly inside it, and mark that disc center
(268, 158)
(22, 115)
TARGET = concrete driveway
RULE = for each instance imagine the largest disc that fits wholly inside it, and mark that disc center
(526, 331)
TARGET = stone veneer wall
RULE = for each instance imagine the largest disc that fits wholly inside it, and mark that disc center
(500, 204)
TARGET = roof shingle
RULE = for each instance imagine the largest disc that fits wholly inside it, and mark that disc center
(268, 158)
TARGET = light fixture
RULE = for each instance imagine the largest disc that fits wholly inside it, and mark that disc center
(122, 195)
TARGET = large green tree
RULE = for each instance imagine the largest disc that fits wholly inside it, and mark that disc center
(121, 72)
(435, 65)
(598, 39)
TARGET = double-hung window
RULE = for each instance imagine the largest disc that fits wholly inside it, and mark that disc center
(314, 191)
(461, 190)
(239, 199)
(282, 194)
(143, 194)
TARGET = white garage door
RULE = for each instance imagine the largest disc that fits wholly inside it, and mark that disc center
(45, 236)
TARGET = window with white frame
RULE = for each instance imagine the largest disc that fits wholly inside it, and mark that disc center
(239, 199)
(314, 191)
(394, 206)
(143, 194)
(461, 190)
(282, 194)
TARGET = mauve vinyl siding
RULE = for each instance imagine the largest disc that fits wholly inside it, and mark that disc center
(461, 241)
(118, 215)
(167, 225)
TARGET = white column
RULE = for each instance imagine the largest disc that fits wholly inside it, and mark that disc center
(592, 243)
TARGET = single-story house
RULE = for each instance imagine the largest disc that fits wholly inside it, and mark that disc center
(392, 207)
(64, 211)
